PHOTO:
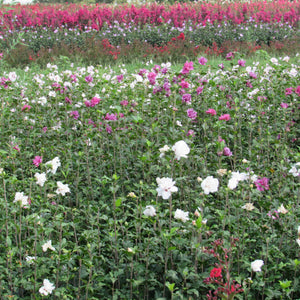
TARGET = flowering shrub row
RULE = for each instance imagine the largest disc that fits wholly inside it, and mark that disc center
(197, 13)
(151, 184)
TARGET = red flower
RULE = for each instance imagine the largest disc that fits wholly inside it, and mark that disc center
(216, 272)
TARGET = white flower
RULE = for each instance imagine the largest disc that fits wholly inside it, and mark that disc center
(40, 178)
(286, 58)
(46, 288)
(23, 199)
(1, 170)
(256, 265)
(12, 76)
(293, 72)
(164, 149)
(166, 186)
(239, 176)
(232, 183)
(181, 149)
(181, 215)
(54, 164)
(62, 188)
(274, 61)
(282, 209)
(48, 245)
(294, 170)
(210, 185)
(150, 211)
(298, 242)
(30, 259)
(248, 206)
(178, 123)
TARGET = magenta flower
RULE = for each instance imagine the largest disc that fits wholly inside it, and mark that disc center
(74, 114)
(68, 100)
(199, 90)
(111, 117)
(192, 114)
(151, 77)
(227, 152)
(229, 56)
(221, 66)
(211, 111)
(202, 61)
(120, 77)
(252, 75)
(73, 78)
(45, 129)
(124, 102)
(225, 117)
(89, 78)
(186, 98)
(248, 84)
(26, 107)
(297, 90)
(37, 161)
(108, 129)
(184, 84)
(288, 91)
(95, 101)
(241, 62)
(284, 105)
(187, 67)
(191, 133)
(262, 184)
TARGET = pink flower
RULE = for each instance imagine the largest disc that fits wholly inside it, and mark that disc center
(16, 148)
(192, 114)
(124, 102)
(297, 90)
(241, 62)
(74, 114)
(184, 84)
(262, 184)
(199, 90)
(202, 61)
(211, 111)
(288, 91)
(229, 56)
(26, 107)
(95, 101)
(37, 161)
(120, 77)
(89, 78)
(191, 133)
(284, 105)
(221, 66)
(253, 75)
(225, 117)
(45, 129)
(227, 152)
(188, 66)
(151, 77)
(186, 98)
(111, 117)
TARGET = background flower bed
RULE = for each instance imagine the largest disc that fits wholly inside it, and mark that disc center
(112, 135)
(103, 34)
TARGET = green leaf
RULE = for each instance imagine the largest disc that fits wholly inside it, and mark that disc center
(118, 202)
(199, 222)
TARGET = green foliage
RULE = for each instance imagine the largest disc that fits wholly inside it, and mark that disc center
(104, 245)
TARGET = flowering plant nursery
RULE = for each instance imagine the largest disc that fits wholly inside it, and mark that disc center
(175, 179)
